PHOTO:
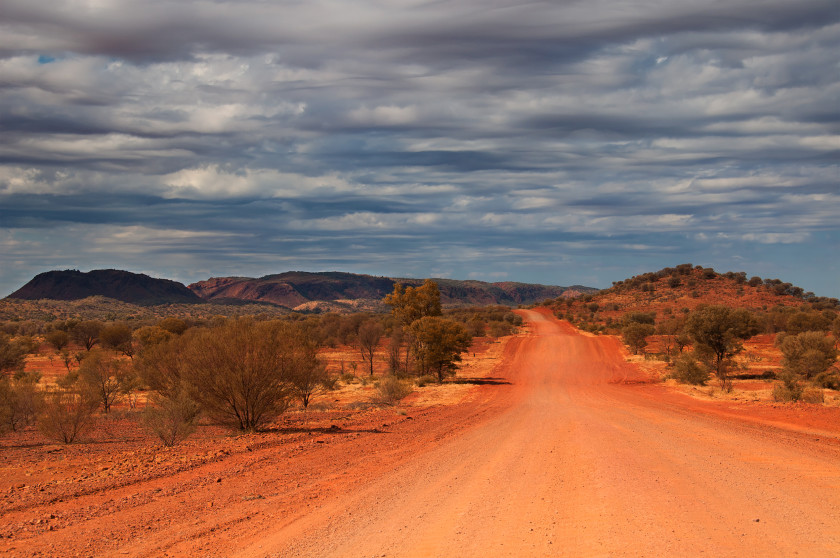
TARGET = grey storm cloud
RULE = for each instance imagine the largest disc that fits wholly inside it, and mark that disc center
(556, 142)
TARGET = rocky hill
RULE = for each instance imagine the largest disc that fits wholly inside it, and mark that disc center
(338, 290)
(134, 288)
(673, 291)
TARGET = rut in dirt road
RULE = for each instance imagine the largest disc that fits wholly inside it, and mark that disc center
(581, 464)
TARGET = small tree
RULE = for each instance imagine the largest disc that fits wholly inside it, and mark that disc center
(790, 388)
(718, 333)
(395, 344)
(635, 334)
(438, 344)
(58, 339)
(118, 337)
(148, 336)
(87, 333)
(670, 330)
(130, 384)
(370, 332)
(102, 376)
(160, 365)
(412, 303)
(306, 373)
(175, 326)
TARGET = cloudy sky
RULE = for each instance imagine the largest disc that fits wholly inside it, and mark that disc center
(558, 142)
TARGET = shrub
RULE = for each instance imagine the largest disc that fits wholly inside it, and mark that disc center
(348, 378)
(809, 353)
(813, 395)
(829, 379)
(330, 382)
(172, 418)
(425, 380)
(790, 389)
(66, 414)
(103, 376)
(688, 371)
(240, 371)
(12, 354)
(786, 395)
(391, 390)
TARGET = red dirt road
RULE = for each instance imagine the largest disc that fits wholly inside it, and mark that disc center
(582, 464)
(566, 455)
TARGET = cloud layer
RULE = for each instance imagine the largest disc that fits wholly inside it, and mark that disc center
(574, 142)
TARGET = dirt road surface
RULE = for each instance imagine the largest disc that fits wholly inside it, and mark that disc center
(579, 464)
(565, 452)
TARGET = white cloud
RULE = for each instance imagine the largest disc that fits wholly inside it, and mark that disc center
(777, 238)
(213, 182)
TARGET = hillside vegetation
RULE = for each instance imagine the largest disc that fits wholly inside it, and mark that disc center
(678, 290)
(699, 322)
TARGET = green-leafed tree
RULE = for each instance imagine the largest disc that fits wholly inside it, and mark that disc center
(437, 344)
(635, 334)
(717, 333)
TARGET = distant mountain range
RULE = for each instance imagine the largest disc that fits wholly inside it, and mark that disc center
(135, 288)
(296, 290)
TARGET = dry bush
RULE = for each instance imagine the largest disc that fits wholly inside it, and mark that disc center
(172, 418)
(348, 378)
(330, 382)
(20, 401)
(391, 390)
(688, 371)
(67, 414)
(305, 372)
(790, 389)
(784, 394)
(425, 380)
(813, 395)
(808, 354)
(103, 375)
(239, 371)
(370, 332)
